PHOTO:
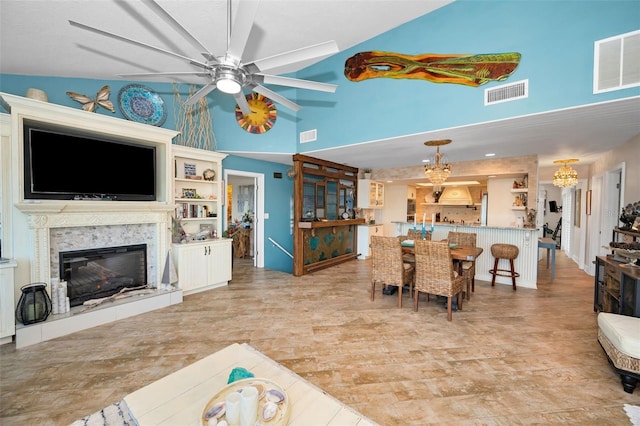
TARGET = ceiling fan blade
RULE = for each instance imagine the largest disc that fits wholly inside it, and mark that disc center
(137, 43)
(310, 52)
(276, 97)
(160, 74)
(204, 91)
(241, 100)
(160, 11)
(295, 82)
(241, 27)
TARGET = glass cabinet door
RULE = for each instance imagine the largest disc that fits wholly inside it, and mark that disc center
(320, 200)
(332, 200)
(309, 200)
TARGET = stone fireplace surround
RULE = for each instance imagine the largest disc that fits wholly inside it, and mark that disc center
(42, 228)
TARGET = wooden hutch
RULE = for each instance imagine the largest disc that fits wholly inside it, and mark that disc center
(325, 225)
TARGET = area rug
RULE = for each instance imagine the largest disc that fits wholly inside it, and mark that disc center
(633, 411)
(117, 414)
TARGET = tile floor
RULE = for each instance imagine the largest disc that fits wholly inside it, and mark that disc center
(525, 357)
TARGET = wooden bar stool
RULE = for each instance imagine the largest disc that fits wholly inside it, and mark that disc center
(504, 251)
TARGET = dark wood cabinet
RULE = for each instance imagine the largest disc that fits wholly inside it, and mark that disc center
(617, 287)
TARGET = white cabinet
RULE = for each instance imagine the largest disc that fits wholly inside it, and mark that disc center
(203, 265)
(370, 194)
(197, 188)
(7, 302)
(411, 192)
(365, 232)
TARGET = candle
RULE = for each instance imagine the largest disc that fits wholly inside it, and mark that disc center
(433, 219)
(414, 222)
(424, 219)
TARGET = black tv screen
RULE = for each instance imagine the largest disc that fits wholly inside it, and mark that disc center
(65, 164)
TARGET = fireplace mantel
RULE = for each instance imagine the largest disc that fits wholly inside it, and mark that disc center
(34, 223)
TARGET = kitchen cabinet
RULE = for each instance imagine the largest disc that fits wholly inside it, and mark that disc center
(411, 192)
(203, 265)
(370, 194)
(7, 302)
(616, 287)
(365, 232)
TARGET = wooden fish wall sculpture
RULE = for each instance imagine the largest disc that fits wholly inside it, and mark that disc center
(88, 104)
(470, 70)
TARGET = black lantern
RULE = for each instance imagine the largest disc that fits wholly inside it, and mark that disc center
(34, 304)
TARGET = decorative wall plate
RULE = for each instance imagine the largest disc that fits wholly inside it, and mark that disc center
(141, 104)
(262, 117)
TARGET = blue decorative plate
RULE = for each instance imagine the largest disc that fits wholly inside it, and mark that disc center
(141, 104)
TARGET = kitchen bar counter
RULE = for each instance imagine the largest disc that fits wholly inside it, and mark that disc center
(526, 239)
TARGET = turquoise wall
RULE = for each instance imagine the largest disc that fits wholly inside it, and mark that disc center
(278, 203)
(556, 40)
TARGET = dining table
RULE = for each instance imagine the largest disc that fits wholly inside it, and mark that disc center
(459, 253)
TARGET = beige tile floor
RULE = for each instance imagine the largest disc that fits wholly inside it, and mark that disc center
(525, 357)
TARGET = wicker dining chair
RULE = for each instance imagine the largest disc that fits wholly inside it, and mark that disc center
(435, 274)
(388, 266)
(417, 235)
(468, 239)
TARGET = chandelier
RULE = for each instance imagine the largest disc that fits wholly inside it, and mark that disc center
(437, 171)
(565, 176)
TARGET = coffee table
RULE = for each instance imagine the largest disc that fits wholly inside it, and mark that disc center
(180, 397)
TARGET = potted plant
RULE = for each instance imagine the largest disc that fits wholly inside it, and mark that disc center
(367, 173)
(247, 219)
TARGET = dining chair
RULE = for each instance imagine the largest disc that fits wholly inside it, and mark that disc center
(468, 239)
(435, 273)
(388, 266)
(417, 235)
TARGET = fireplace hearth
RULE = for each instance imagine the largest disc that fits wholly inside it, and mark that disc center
(102, 272)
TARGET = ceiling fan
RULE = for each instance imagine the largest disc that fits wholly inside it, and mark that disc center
(228, 73)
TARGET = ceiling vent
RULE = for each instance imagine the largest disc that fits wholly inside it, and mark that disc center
(308, 136)
(456, 195)
(615, 62)
(506, 92)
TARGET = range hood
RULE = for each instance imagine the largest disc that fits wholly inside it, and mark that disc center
(456, 196)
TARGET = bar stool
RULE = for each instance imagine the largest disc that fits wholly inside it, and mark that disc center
(504, 251)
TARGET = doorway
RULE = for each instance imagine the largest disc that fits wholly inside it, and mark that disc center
(246, 197)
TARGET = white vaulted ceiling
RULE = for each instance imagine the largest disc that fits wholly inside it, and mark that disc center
(37, 40)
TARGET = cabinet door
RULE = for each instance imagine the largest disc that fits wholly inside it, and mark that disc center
(7, 312)
(219, 263)
(379, 194)
(192, 268)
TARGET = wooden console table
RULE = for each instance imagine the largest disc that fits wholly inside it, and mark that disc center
(617, 287)
(179, 398)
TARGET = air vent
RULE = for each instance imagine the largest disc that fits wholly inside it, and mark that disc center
(308, 136)
(506, 92)
(615, 62)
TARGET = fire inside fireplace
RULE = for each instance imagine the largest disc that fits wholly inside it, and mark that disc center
(103, 272)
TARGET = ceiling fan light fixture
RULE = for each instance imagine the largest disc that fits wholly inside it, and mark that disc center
(228, 85)
(565, 176)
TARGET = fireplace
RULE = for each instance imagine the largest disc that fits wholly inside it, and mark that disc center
(102, 272)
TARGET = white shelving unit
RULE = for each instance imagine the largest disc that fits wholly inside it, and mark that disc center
(205, 264)
(522, 195)
(198, 201)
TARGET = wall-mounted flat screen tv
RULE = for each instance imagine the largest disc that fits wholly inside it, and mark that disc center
(65, 164)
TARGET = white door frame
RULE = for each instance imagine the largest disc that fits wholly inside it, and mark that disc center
(258, 227)
(594, 224)
(612, 201)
